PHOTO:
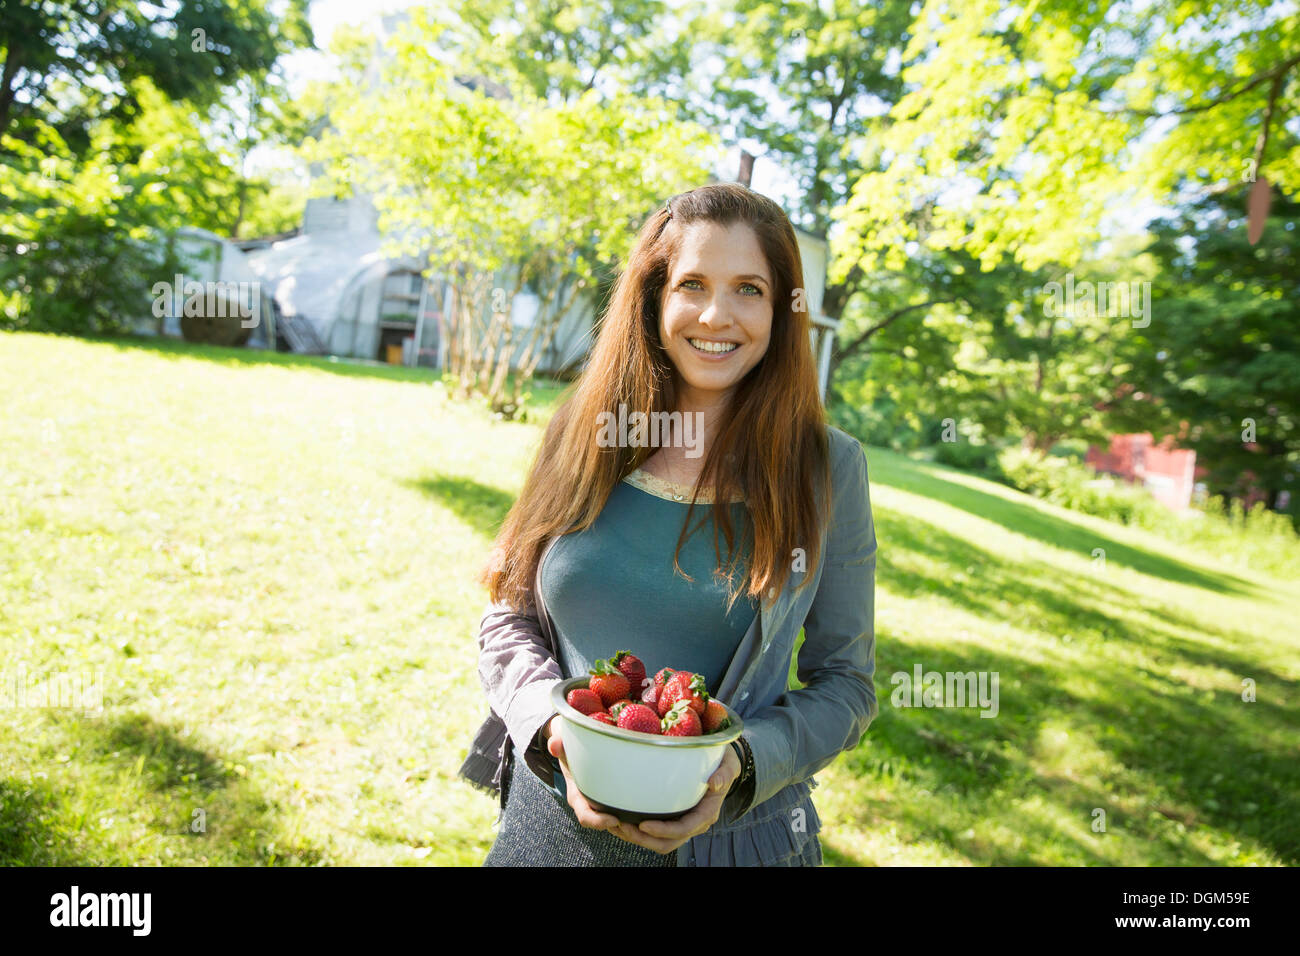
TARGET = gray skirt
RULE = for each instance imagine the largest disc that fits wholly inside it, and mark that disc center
(538, 829)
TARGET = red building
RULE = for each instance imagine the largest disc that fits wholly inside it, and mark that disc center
(1168, 472)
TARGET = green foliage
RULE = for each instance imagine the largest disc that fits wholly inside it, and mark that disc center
(190, 50)
(1218, 368)
(79, 240)
(559, 51)
(1258, 538)
(822, 62)
(1047, 111)
(969, 454)
(118, 126)
(1062, 482)
(270, 638)
(477, 185)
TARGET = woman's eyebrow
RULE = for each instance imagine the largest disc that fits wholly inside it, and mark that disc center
(701, 275)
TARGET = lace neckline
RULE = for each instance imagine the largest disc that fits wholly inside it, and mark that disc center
(671, 490)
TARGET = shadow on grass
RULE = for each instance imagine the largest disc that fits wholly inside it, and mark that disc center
(30, 834)
(480, 506)
(223, 355)
(833, 857)
(1201, 756)
(142, 771)
(928, 480)
(543, 393)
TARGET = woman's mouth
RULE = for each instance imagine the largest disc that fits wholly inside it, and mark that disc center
(713, 348)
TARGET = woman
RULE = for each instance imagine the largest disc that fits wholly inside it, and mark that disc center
(607, 548)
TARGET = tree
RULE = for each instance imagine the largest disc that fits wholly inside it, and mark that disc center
(1218, 368)
(558, 50)
(1024, 126)
(78, 238)
(189, 50)
(496, 189)
(800, 78)
(805, 80)
(111, 120)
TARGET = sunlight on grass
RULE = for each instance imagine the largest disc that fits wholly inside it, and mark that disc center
(271, 564)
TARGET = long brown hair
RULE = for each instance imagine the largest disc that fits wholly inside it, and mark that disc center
(771, 449)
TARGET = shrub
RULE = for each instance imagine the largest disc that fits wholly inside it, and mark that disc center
(978, 456)
(1256, 538)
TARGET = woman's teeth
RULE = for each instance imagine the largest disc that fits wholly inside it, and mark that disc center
(712, 346)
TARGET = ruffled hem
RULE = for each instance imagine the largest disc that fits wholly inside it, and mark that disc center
(766, 836)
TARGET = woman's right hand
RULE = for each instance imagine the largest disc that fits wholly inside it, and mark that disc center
(587, 815)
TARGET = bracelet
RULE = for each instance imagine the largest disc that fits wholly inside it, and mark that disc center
(746, 760)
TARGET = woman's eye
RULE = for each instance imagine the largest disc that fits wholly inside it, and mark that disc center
(747, 285)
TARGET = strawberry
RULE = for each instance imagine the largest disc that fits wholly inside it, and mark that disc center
(662, 677)
(608, 681)
(617, 707)
(639, 717)
(601, 717)
(631, 667)
(585, 701)
(650, 696)
(681, 721)
(714, 717)
(690, 687)
(667, 697)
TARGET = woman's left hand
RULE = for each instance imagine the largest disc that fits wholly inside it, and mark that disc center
(665, 836)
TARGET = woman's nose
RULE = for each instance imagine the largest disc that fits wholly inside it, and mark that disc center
(716, 316)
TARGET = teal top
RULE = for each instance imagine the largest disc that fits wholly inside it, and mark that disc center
(613, 587)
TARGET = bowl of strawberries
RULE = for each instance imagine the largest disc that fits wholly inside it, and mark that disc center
(638, 747)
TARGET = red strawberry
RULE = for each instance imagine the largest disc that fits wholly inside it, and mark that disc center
(691, 688)
(616, 708)
(631, 667)
(681, 721)
(662, 677)
(714, 717)
(608, 681)
(667, 697)
(601, 717)
(585, 701)
(639, 717)
(650, 696)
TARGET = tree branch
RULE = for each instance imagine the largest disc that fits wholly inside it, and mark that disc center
(884, 323)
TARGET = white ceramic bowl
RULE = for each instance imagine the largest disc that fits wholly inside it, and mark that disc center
(633, 775)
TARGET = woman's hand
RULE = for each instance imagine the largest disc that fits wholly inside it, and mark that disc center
(662, 836)
(587, 815)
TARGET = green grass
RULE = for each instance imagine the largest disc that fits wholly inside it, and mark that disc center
(270, 561)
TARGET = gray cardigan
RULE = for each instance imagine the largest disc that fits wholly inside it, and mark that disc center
(793, 733)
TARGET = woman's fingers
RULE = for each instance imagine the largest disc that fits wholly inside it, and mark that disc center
(588, 816)
(692, 823)
(661, 836)
(631, 834)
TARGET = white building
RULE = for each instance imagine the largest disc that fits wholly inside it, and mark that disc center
(335, 293)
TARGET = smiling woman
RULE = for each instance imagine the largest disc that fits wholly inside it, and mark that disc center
(599, 552)
(716, 314)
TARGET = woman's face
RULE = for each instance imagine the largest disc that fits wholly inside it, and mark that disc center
(716, 310)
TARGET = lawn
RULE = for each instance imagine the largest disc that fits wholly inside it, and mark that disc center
(266, 566)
